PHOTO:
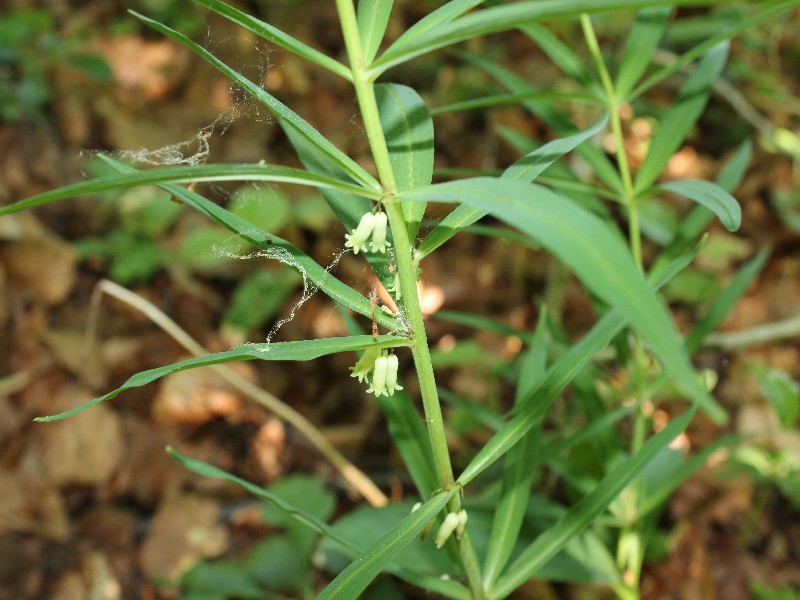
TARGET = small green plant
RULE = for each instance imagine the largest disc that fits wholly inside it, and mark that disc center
(486, 530)
(29, 49)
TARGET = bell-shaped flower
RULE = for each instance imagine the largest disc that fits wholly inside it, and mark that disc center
(447, 528)
(357, 240)
(379, 243)
(379, 375)
(391, 375)
(365, 364)
(462, 523)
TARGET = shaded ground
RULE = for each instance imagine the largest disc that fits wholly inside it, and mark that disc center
(93, 507)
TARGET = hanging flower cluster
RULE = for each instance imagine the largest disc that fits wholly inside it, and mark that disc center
(371, 225)
(379, 369)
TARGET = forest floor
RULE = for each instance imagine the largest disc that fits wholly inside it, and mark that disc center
(93, 507)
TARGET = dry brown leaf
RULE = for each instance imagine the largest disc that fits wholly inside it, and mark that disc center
(184, 530)
(193, 397)
(84, 449)
(45, 269)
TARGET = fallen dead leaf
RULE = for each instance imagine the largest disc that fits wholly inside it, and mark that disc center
(44, 269)
(193, 397)
(184, 530)
(84, 449)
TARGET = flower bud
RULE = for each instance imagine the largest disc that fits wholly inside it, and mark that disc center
(365, 364)
(446, 530)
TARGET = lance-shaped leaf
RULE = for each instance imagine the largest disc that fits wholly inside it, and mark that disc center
(766, 11)
(299, 515)
(351, 546)
(272, 246)
(282, 112)
(587, 509)
(527, 168)
(518, 471)
(558, 376)
(408, 129)
(595, 252)
(302, 350)
(710, 195)
(187, 174)
(276, 36)
(540, 106)
(356, 577)
(373, 17)
(642, 42)
(501, 18)
(675, 125)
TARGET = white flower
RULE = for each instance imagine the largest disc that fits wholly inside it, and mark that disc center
(379, 375)
(462, 523)
(379, 242)
(365, 364)
(357, 240)
(448, 527)
(391, 375)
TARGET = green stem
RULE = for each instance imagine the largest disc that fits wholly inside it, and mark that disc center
(365, 93)
(629, 554)
(407, 275)
(613, 103)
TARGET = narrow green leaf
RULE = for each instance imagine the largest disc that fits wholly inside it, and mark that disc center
(301, 516)
(528, 168)
(356, 577)
(732, 174)
(602, 166)
(505, 99)
(587, 509)
(726, 300)
(276, 36)
(274, 247)
(302, 350)
(768, 10)
(282, 112)
(681, 117)
(373, 17)
(482, 323)
(532, 408)
(710, 195)
(518, 471)
(595, 252)
(436, 19)
(411, 439)
(408, 128)
(347, 207)
(642, 42)
(534, 364)
(558, 376)
(187, 174)
(436, 35)
(562, 55)
(658, 491)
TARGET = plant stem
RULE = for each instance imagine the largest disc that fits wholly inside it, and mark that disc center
(629, 555)
(613, 103)
(407, 275)
(365, 93)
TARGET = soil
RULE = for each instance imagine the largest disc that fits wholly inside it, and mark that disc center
(93, 507)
